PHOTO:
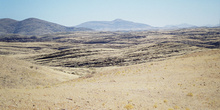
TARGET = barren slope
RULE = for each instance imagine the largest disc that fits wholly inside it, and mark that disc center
(21, 74)
(118, 70)
(188, 82)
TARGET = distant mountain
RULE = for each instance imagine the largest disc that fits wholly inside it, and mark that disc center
(7, 25)
(33, 26)
(115, 25)
(180, 26)
(211, 25)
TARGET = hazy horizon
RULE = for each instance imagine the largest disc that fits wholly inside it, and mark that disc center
(156, 13)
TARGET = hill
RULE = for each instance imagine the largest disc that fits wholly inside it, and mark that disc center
(7, 25)
(115, 25)
(33, 26)
(21, 74)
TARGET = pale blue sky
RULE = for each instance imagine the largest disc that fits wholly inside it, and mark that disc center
(152, 12)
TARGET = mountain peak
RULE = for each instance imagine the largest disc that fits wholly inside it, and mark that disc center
(7, 19)
(116, 20)
(32, 19)
(115, 25)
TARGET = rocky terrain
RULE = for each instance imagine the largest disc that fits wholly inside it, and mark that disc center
(177, 69)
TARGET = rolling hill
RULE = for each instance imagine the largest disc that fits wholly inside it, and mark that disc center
(33, 26)
(115, 25)
(141, 70)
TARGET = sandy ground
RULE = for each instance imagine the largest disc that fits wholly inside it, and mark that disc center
(189, 82)
(22, 74)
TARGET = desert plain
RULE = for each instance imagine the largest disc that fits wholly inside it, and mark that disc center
(140, 70)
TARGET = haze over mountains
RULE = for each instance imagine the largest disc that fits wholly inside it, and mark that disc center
(115, 25)
(184, 25)
(34, 26)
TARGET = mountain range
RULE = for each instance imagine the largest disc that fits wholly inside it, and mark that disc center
(184, 25)
(33, 26)
(115, 25)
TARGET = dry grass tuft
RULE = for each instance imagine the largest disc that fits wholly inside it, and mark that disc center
(187, 109)
(155, 106)
(129, 106)
(165, 101)
(190, 94)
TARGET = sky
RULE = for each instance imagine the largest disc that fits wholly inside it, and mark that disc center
(152, 12)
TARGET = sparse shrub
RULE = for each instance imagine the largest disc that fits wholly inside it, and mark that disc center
(165, 101)
(176, 107)
(187, 109)
(38, 87)
(129, 106)
(117, 73)
(103, 104)
(190, 94)
(180, 84)
(155, 105)
(129, 101)
(48, 86)
(88, 76)
(93, 70)
(112, 80)
(91, 80)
